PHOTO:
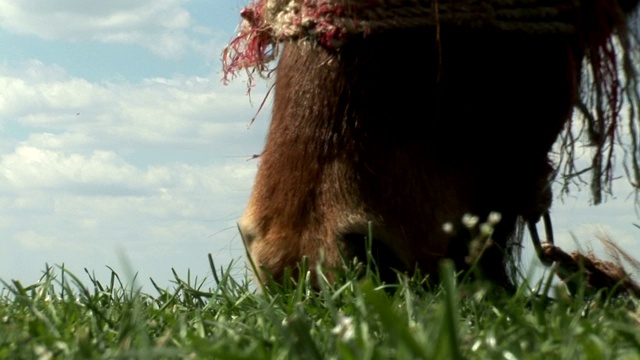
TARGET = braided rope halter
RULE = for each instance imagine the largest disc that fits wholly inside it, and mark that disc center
(330, 23)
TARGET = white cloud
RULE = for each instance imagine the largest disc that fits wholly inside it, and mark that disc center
(79, 135)
(83, 209)
(184, 111)
(33, 168)
(155, 168)
(62, 141)
(157, 25)
(32, 240)
(37, 88)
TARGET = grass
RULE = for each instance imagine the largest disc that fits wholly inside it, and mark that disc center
(64, 317)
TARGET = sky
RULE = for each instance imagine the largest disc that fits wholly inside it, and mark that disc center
(120, 147)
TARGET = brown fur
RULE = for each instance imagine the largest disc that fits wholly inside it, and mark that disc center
(409, 134)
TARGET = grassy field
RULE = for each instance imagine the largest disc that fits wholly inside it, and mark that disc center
(65, 317)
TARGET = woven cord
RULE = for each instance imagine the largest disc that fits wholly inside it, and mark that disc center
(330, 23)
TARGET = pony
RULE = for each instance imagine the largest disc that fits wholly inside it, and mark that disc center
(396, 128)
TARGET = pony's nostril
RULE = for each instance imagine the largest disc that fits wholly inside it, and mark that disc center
(375, 253)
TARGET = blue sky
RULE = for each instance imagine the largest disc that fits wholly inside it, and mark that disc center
(118, 139)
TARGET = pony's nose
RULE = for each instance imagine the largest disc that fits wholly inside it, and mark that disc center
(373, 253)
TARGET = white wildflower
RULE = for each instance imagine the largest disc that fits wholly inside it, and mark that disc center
(494, 218)
(470, 221)
(447, 228)
(345, 328)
